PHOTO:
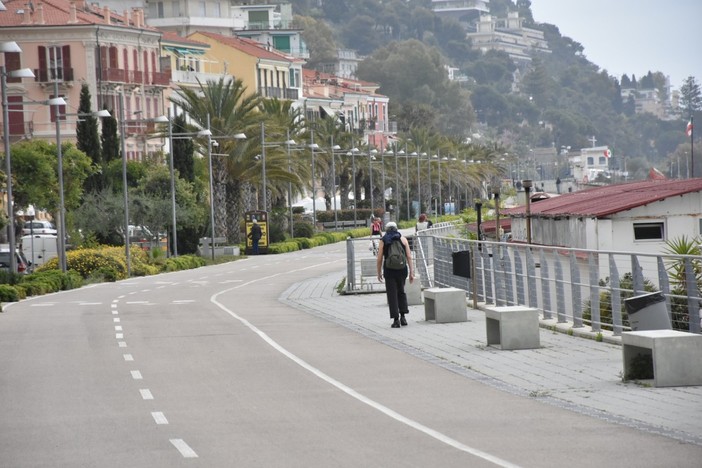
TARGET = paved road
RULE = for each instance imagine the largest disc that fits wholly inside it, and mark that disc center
(257, 363)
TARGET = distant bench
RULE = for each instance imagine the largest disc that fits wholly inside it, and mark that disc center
(345, 224)
(220, 247)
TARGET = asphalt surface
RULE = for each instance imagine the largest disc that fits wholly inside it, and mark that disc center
(260, 362)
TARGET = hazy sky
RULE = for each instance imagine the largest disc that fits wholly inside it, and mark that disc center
(632, 36)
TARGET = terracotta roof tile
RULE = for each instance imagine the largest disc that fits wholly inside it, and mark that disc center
(603, 201)
(58, 13)
(247, 46)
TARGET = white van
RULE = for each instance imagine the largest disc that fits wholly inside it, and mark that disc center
(40, 248)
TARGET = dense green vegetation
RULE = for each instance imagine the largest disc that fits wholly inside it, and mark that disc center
(561, 100)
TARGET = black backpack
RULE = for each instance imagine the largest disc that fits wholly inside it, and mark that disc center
(396, 259)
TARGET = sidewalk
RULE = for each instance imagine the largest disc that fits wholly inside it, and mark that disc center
(570, 372)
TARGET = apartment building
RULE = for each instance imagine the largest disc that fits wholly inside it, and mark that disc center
(68, 43)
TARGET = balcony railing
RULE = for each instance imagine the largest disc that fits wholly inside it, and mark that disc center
(161, 78)
(46, 75)
(280, 93)
(113, 74)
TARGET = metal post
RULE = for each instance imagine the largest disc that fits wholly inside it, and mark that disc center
(263, 162)
(209, 163)
(336, 216)
(397, 184)
(407, 184)
(355, 199)
(173, 193)
(527, 184)
(370, 175)
(419, 186)
(123, 139)
(314, 188)
(61, 225)
(287, 144)
(8, 170)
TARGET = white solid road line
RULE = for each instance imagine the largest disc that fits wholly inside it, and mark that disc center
(183, 448)
(348, 390)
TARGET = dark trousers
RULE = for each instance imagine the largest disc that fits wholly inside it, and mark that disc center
(395, 291)
(254, 247)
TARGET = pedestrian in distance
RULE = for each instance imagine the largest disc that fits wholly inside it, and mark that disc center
(394, 265)
(376, 232)
(422, 223)
(255, 235)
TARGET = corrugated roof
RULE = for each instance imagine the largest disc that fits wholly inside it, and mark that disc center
(603, 201)
(247, 46)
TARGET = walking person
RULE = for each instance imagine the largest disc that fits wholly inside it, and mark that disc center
(255, 235)
(394, 264)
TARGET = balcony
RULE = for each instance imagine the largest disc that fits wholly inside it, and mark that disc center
(161, 78)
(49, 75)
(135, 76)
(192, 77)
(280, 93)
(114, 75)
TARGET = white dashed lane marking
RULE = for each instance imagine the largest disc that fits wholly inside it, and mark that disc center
(128, 357)
(119, 336)
(159, 417)
(136, 375)
(122, 344)
(146, 394)
(183, 448)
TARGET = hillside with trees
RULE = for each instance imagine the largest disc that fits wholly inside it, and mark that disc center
(560, 100)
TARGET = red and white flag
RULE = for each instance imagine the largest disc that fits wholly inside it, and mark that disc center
(688, 130)
(607, 153)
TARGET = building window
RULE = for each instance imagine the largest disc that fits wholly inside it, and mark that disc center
(649, 231)
(603, 161)
(590, 161)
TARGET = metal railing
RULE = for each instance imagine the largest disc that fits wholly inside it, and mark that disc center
(582, 287)
(586, 288)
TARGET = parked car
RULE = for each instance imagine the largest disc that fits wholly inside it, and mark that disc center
(23, 266)
(38, 227)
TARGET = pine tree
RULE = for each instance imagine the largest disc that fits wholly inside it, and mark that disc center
(183, 151)
(88, 139)
(110, 140)
(690, 96)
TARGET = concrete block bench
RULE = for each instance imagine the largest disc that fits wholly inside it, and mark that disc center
(445, 305)
(671, 356)
(512, 327)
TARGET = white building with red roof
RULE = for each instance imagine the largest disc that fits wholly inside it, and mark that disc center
(357, 103)
(637, 216)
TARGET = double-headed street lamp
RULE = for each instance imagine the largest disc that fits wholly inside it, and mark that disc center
(22, 73)
(371, 155)
(58, 102)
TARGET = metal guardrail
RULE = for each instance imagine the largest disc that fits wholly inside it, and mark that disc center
(584, 287)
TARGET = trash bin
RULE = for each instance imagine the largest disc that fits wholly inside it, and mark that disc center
(461, 263)
(648, 312)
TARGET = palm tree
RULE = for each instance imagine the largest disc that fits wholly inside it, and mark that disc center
(231, 110)
(285, 169)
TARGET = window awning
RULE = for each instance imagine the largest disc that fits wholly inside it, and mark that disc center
(328, 110)
(184, 50)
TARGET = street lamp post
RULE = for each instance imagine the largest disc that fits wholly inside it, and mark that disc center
(397, 183)
(22, 73)
(171, 165)
(263, 166)
(208, 133)
(419, 185)
(370, 175)
(527, 184)
(125, 194)
(334, 149)
(313, 146)
(353, 170)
